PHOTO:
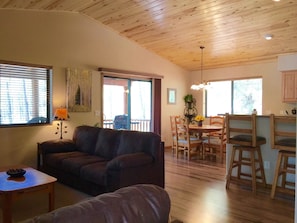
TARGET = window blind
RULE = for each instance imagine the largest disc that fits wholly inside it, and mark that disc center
(24, 94)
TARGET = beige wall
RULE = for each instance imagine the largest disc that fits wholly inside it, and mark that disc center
(73, 40)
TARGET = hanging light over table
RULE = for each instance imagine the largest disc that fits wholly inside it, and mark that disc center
(203, 84)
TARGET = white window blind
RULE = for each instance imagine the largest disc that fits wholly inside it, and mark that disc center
(24, 94)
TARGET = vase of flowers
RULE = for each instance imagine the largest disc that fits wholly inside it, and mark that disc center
(199, 119)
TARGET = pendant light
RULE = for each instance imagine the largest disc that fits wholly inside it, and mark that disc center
(203, 84)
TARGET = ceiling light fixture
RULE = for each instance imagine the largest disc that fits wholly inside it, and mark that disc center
(268, 36)
(203, 84)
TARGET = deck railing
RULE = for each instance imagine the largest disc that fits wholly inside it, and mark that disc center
(143, 125)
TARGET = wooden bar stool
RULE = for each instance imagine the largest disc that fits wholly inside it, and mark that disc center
(283, 138)
(283, 167)
(246, 151)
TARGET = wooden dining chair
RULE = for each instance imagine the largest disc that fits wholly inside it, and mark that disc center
(215, 143)
(175, 148)
(191, 145)
(283, 138)
(241, 131)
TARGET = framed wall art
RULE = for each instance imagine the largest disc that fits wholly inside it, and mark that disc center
(171, 96)
(79, 90)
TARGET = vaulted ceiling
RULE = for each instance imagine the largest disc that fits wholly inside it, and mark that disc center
(232, 31)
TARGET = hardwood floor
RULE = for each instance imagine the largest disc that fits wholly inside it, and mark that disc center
(198, 194)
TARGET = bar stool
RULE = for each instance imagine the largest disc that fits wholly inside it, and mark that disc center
(241, 132)
(283, 138)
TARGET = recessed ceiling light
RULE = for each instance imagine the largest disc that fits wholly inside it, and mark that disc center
(276, 0)
(268, 36)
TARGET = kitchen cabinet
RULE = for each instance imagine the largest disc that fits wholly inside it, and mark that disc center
(289, 86)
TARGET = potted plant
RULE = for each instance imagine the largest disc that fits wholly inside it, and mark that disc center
(188, 98)
(190, 110)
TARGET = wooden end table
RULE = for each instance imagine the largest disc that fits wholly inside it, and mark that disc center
(13, 188)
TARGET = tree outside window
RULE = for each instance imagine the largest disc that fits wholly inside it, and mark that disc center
(24, 94)
(234, 97)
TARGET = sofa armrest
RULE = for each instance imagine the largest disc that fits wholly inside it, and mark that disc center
(129, 160)
(53, 146)
(56, 146)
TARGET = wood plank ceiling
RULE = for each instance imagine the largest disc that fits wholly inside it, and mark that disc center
(232, 31)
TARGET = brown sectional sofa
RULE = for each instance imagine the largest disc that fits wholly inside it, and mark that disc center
(99, 160)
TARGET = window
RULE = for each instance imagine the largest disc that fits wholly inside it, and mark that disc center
(24, 94)
(234, 97)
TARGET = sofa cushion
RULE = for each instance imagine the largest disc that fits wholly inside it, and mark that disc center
(85, 138)
(74, 164)
(129, 161)
(55, 159)
(94, 172)
(133, 142)
(107, 143)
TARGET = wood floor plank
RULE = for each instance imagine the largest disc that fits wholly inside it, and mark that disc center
(197, 192)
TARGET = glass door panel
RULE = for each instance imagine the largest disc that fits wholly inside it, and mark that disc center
(141, 109)
(127, 104)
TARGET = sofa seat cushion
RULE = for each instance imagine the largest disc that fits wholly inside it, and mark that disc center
(55, 159)
(94, 172)
(130, 161)
(74, 164)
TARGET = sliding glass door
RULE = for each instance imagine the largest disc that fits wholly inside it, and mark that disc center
(127, 104)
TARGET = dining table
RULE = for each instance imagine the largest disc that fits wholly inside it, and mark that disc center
(199, 130)
(204, 128)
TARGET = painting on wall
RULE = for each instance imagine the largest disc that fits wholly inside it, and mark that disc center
(171, 96)
(79, 90)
